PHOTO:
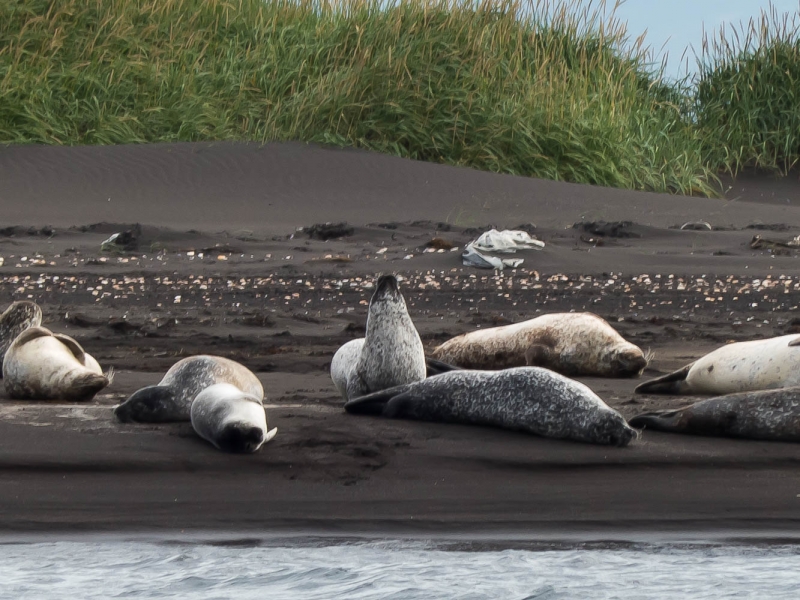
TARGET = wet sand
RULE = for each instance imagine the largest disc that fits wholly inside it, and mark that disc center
(221, 266)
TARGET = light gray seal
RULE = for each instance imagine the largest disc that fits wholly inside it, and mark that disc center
(230, 419)
(42, 365)
(391, 352)
(17, 318)
(739, 367)
(572, 344)
(529, 399)
(762, 415)
(171, 399)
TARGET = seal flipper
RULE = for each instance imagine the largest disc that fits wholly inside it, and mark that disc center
(437, 367)
(375, 403)
(795, 342)
(663, 420)
(540, 355)
(674, 383)
(77, 350)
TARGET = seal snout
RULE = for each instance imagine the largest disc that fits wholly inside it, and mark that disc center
(241, 438)
(629, 364)
(387, 284)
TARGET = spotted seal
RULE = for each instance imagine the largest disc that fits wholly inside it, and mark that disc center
(230, 419)
(42, 365)
(739, 367)
(529, 399)
(762, 415)
(171, 399)
(17, 318)
(391, 352)
(572, 344)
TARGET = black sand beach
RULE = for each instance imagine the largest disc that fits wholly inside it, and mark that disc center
(221, 267)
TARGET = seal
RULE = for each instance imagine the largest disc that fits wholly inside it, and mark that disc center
(17, 318)
(762, 415)
(391, 352)
(572, 344)
(171, 399)
(42, 365)
(346, 358)
(529, 399)
(230, 419)
(739, 367)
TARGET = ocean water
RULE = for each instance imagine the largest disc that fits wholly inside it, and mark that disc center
(394, 570)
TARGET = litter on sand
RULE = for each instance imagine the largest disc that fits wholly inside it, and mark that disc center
(507, 241)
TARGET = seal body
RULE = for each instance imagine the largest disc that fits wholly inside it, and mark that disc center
(570, 343)
(391, 352)
(762, 415)
(230, 419)
(17, 318)
(739, 367)
(42, 365)
(529, 399)
(171, 399)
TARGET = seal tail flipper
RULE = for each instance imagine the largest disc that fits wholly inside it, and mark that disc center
(795, 342)
(437, 367)
(663, 420)
(151, 404)
(674, 383)
(373, 404)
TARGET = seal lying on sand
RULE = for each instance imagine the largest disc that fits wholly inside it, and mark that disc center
(391, 352)
(569, 343)
(738, 367)
(346, 358)
(230, 419)
(763, 415)
(17, 318)
(171, 399)
(42, 365)
(529, 399)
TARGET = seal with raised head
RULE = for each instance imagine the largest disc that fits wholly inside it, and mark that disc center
(171, 399)
(391, 352)
(572, 344)
(739, 367)
(230, 419)
(42, 365)
(529, 399)
(17, 318)
(762, 415)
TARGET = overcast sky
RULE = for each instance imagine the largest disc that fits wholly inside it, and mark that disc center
(679, 23)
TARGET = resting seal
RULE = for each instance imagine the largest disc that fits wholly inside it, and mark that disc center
(570, 343)
(17, 318)
(42, 365)
(763, 415)
(529, 399)
(230, 419)
(738, 367)
(390, 354)
(171, 399)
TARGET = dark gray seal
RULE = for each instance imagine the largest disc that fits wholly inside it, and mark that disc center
(529, 399)
(17, 318)
(761, 415)
(391, 352)
(171, 399)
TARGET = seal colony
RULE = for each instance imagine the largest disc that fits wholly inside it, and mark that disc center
(529, 399)
(572, 344)
(171, 399)
(762, 415)
(738, 367)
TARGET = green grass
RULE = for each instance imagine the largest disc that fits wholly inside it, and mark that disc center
(748, 94)
(547, 90)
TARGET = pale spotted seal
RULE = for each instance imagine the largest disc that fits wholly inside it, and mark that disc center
(738, 367)
(763, 415)
(171, 399)
(17, 318)
(230, 419)
(42, 365)
(570, 343)
(529, 399)
(391, 352)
